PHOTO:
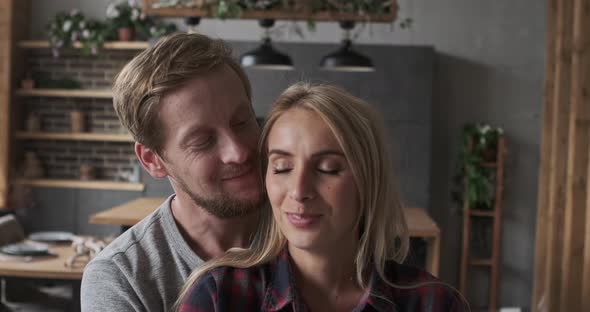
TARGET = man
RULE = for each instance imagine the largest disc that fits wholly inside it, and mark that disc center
(188, 105)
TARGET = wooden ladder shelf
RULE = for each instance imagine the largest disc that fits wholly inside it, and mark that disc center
(496, 215)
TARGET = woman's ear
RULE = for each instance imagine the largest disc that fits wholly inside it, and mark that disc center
(150, 161)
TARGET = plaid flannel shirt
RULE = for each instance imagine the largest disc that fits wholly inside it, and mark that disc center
(270, 287)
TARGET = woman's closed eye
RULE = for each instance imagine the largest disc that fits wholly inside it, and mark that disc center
(329, 171)
(280, 170)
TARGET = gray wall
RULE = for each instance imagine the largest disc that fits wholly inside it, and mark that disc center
(489, 67)
(401, 89)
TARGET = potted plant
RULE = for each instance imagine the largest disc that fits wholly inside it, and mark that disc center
(473, 183)
(122, 17)
(69, 28)
(150, 29)
(27, 82)
(65, 30)
(93, 36)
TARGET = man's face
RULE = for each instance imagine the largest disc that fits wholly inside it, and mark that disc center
(209, 150)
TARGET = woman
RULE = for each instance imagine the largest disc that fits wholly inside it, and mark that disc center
(336, 233)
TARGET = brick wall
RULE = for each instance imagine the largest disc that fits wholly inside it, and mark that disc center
(93, 72)
(62, 159)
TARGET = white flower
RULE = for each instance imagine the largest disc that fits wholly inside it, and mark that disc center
(142, 16)
(153, 30)
(86, 34)
(485, 128)
(82, 25)
(74, 12)
(132, 3)
(112, 11)
(74, 36)
(500, 131)
(67, 26)
(134, 14)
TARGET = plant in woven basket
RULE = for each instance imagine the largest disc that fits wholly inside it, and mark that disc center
(473, 183)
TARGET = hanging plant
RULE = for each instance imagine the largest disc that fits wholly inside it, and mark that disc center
(234, 8)
(473, 183)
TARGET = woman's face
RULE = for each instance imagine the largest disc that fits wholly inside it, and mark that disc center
(309, 182)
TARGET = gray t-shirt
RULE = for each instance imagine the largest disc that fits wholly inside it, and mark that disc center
(142, 270)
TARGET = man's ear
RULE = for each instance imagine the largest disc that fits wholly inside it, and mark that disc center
(150, 161)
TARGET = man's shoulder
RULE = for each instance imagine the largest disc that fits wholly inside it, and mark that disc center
(134, 240)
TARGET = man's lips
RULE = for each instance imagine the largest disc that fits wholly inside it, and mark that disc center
(238, 174)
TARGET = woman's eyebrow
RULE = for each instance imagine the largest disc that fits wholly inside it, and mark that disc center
(279, 152)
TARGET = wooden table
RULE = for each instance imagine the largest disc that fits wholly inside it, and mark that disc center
(420, 225)
(50, 268)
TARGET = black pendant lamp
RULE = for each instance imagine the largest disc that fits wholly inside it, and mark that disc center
(192, 22)
(265, 56)
(345, 59)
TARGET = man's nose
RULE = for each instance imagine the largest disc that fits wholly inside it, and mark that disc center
(234, 149)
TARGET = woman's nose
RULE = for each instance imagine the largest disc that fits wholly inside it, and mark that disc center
(302, 186)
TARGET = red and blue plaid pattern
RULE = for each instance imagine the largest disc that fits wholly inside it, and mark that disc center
(270, 287)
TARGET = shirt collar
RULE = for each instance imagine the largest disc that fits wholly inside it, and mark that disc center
(281, 291)
(378, 295)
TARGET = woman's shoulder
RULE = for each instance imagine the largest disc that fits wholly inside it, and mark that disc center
(404, 273)
(225, 286)
(414, 289)
(224, 276)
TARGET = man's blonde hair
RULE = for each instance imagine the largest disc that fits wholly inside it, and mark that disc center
(165, 67)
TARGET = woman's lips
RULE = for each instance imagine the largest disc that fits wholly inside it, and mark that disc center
(303, 220)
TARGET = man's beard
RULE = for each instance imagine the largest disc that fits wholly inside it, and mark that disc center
(223, 205)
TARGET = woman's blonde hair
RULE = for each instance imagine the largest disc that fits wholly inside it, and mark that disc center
(383, 233)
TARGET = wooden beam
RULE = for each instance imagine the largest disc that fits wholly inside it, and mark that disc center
(545, 161)
(582, 60)
(586, 274)
(5, 68)
(577, 168)
(559, 148)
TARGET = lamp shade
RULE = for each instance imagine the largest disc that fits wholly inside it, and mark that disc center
(345, 59)
(266, 57)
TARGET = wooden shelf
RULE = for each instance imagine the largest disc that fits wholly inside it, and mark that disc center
(111, 45)
(77, 93)
(481, 262)
(481, 213)
(23, 135)
(95, 184)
